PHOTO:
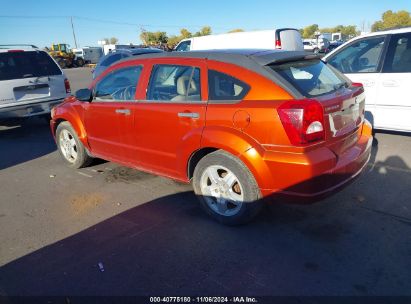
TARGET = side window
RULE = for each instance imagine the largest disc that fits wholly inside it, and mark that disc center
(225, 87)
(398, 58)
(175, 83)
(184, 46)
(119, 85)
(362, 56)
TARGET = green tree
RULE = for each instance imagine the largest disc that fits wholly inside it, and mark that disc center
(153, 38)
(113, 40)
(236, 30)
(173, 41)
(308, 31)
(349, 31)
(205, 30)
(185, 33)
(392, 19)
(346, 30)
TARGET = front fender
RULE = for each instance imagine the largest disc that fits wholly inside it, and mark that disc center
(70, 114)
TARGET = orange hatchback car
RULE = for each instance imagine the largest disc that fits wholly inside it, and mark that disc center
(241, 125)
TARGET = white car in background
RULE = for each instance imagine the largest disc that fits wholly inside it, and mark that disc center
(310, 46)
(381, 61)
(31, 82)
(288, 39)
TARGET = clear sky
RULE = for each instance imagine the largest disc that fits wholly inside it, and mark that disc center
(42, 22)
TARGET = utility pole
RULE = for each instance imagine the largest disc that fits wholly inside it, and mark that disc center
(74, 34)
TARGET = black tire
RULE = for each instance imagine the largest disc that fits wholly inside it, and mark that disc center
(61, 62)
(80, 62)
(252, 202)
(82, 158)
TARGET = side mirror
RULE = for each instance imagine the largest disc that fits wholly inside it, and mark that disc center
(84, 95)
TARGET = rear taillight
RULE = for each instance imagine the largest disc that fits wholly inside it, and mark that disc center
(357, 84)
(303, 121)
(67, 86)
(278, 43)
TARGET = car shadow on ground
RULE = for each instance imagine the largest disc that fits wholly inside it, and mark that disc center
(25, 140)
(354, 243)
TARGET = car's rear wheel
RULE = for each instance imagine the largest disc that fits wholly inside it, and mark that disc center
(70, 147)
(226, 188)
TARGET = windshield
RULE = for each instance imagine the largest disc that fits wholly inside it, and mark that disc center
(16, 65)
(310, 77)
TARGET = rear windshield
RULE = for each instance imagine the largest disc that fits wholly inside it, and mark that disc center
(112, 58)
(310, 77)
(16, 65)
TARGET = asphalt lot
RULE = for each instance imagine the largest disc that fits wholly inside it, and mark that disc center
(150, 236)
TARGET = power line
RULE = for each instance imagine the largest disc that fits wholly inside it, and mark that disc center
(105, 21)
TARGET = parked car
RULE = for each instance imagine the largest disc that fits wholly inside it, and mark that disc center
(118, 54)
(31, 82)
(242, 125)
(323, 44)
(310, 46)
(333, 46)
(89, 54)
(381, 61)
(282, 38)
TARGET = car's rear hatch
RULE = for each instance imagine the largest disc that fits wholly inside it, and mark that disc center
(29, 77)
(342, 102)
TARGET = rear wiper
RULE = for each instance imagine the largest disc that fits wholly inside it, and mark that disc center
(38, 78)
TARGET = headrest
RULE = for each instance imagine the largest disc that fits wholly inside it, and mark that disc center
(182, 84)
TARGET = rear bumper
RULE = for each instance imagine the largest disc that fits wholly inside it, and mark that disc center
(28, 110)
(321, 172)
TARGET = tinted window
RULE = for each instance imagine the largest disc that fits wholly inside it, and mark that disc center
(175, 83)
(360, 57)
(225, 87)
(112, 58)
(184, 46)
(118, 85)
(310, 77)
(16, 65)
(398, 58)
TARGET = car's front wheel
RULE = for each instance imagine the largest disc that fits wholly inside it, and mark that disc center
(226, 188)
(70, 147)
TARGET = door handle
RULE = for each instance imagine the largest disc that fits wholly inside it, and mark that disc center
(189, 115)
(123, 111)
(389, 83)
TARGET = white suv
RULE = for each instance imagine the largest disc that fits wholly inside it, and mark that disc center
(31, 82)
(381, 61)
(310, 46)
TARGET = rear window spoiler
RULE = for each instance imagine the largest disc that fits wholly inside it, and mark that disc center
(295, 58)
(266, 58)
